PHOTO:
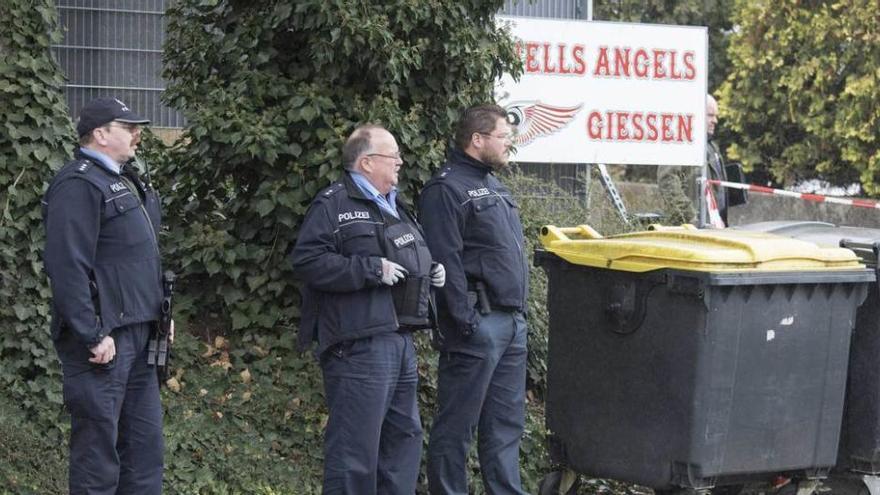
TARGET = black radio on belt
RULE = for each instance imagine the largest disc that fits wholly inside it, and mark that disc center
(159, 347)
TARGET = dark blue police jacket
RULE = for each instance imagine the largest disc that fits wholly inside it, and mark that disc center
(100, 232)
(473, 228)
(338, 255)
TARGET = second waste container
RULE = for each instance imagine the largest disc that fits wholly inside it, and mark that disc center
(690, 359)
(860, 436)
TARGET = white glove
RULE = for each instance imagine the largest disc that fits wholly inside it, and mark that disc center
(438, 275)
(392, 272)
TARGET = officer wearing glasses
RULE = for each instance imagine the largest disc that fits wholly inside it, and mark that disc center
(367, 276)
(102, 258)
(472, 226)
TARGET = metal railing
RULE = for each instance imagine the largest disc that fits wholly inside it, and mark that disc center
(114, 48)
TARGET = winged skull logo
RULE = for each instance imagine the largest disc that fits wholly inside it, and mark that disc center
(533, 119)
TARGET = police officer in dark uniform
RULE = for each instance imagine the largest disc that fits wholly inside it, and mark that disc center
(102, 258)
(472, 226)
(367, 274)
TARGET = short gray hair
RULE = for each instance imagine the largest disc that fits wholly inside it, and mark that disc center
(359, 142)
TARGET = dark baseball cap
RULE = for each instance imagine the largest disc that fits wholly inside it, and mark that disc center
(101, 111)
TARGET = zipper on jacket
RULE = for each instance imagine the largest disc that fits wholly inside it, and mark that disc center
(522, 255)
(131, 186)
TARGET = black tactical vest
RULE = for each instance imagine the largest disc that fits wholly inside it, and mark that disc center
(405, 245)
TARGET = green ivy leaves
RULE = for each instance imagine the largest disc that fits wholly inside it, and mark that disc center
(803, 97)
(36, 137)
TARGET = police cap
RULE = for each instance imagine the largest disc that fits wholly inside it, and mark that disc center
(101, 111)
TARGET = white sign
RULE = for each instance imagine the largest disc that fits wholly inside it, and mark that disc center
(608, 92)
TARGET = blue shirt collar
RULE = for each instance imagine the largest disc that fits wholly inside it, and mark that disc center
(388, 204)
(104, 160)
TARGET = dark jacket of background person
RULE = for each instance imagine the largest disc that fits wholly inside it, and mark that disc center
(679, 191)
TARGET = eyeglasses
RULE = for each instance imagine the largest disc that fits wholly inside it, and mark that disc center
(131, 128)
(395, 156)
(506, 137)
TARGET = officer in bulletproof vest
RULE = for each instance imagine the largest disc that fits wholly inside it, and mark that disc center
(102, 257)
(367, 276)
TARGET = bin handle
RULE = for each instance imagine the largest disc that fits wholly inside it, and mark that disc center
(550, 233)
(850, 244)
(625, 321)
(874, 247)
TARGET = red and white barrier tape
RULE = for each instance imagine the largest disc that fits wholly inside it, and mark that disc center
(818, 198)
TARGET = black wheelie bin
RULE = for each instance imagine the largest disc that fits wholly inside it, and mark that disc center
(858, 461)
(684, 359)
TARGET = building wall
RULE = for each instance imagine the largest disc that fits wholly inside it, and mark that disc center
(559, 9)
(114, 48)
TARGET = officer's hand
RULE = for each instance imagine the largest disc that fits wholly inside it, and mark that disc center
(104, 352)
(392, 272)
(438, 275)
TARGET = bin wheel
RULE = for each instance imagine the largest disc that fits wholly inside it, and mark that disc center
(555, 483)
(847, 485)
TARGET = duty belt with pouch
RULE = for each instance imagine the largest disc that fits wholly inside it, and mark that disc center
(96, 303)
(478, 297)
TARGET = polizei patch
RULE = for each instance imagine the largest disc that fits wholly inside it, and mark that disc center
(354, 215)
(476, 193)
(118, 186)
(404, 240)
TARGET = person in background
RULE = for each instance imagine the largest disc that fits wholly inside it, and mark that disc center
(678, 185)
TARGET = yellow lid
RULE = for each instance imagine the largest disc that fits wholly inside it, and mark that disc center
(687, 248)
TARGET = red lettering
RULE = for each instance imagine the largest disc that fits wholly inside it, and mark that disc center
(666, 126)
(548, 68)
(652, 126)
(686, 128)
(531, 57)
(640, 126)
(608, 124)
(577, 53)
(640, 61)
(594, 125)
(622, 134)
(621, 62)
(602, 68)
(659, 73)
(673, 74)
(690, 72)
(638, 132)
(563, 67)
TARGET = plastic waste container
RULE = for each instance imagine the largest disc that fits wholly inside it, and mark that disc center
(859, 451)
(686, 358)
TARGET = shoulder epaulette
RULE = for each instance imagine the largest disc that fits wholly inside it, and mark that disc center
(333, 189)
(444, 172)
(83, 166)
